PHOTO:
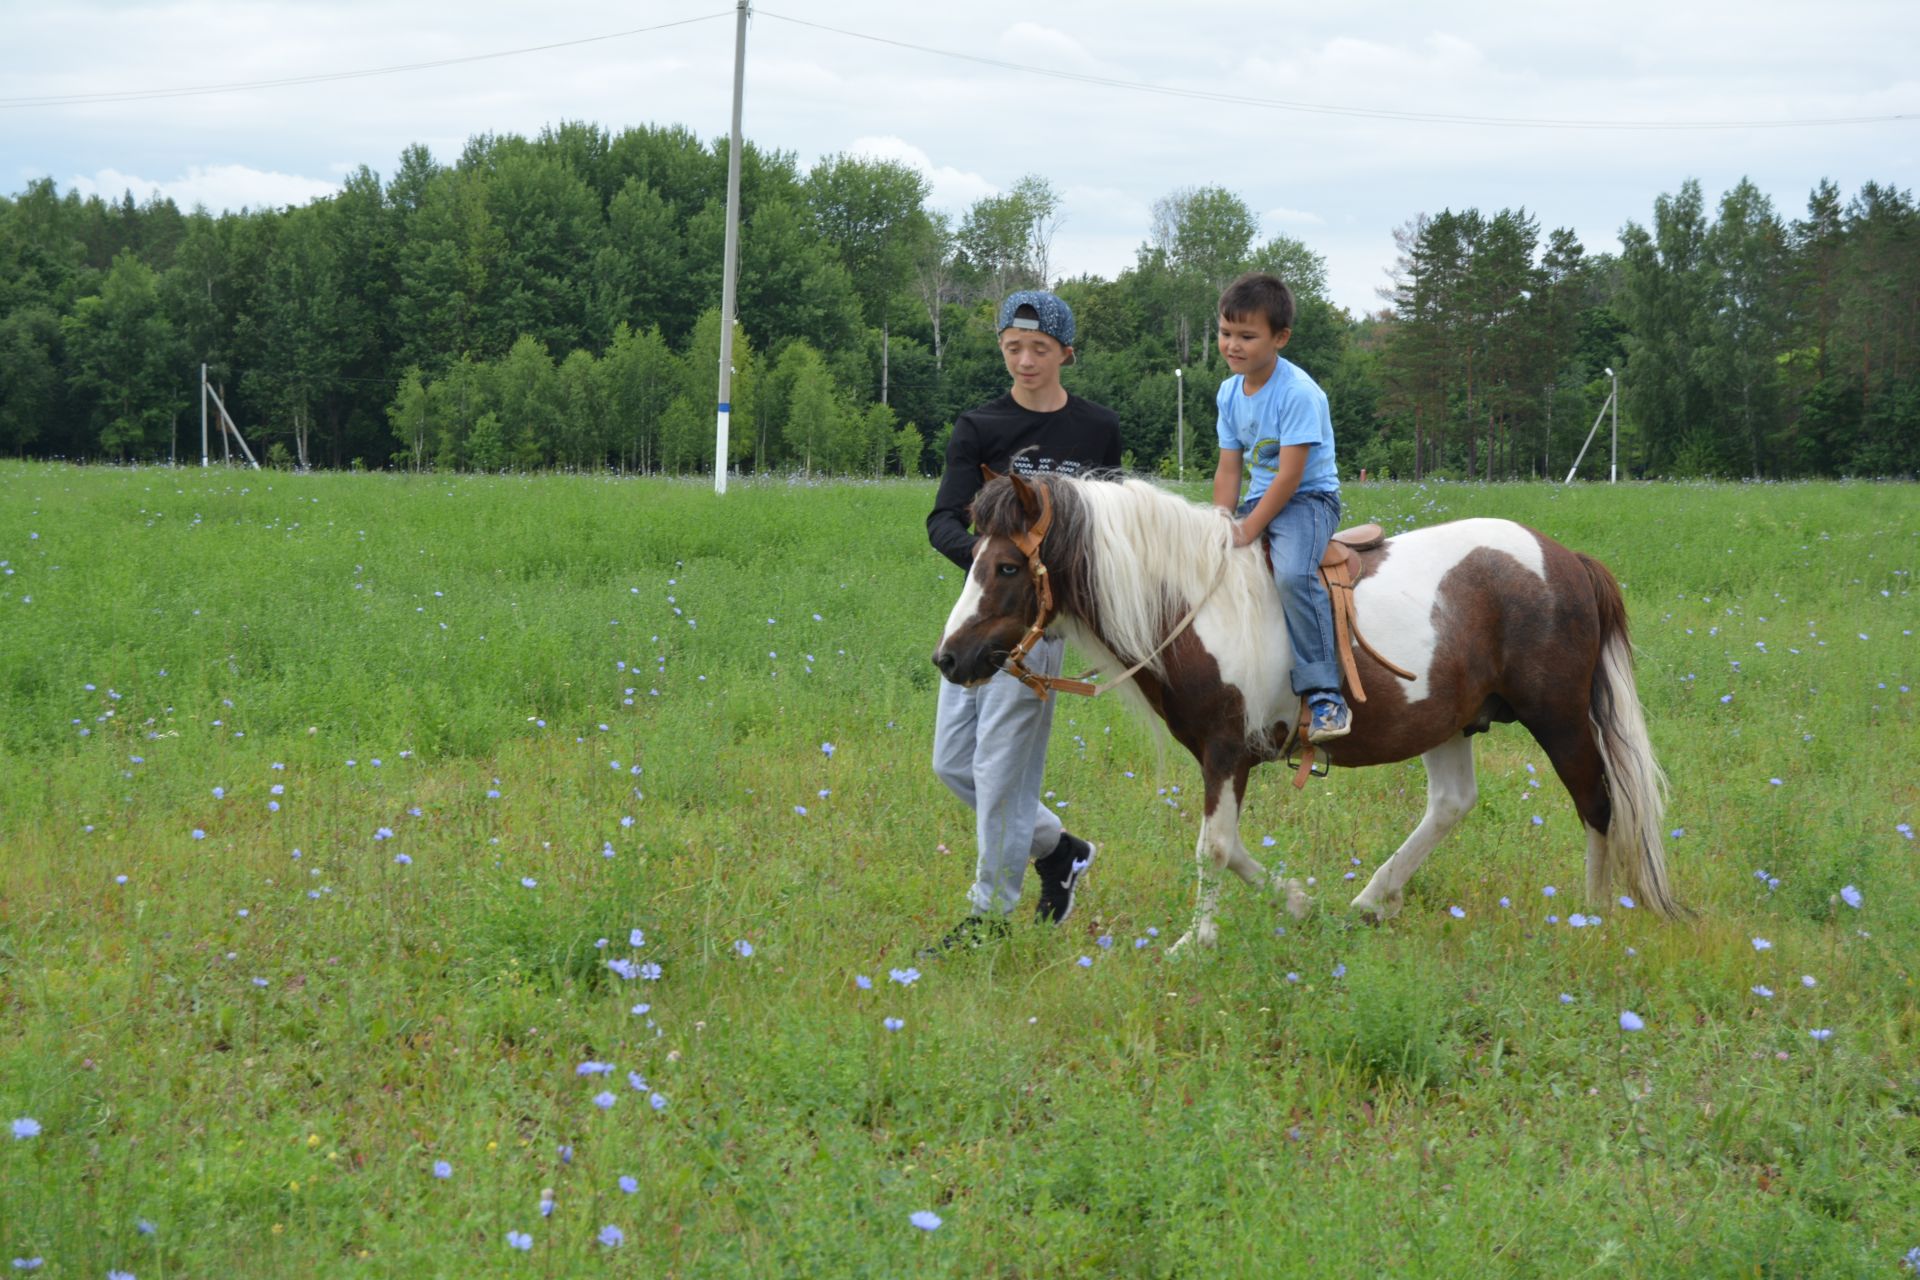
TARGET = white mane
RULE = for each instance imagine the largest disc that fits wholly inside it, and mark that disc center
(1153, 555)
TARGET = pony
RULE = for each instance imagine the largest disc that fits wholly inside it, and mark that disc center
(1496, 622)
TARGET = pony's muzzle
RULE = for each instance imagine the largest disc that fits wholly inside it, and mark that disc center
(971, 667)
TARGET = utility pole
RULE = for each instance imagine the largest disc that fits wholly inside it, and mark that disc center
(1612, 401)
(203, 414)
(1180, 416)
(1613, 467)
(730, 267)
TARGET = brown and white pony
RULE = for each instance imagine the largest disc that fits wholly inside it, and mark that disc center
(1497, 622)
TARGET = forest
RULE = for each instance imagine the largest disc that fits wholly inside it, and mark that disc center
(552, 303)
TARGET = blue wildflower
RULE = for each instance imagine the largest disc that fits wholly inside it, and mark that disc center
(1764, 991)
(1565, 998)
(1761, 944)
(1851, 896)
(744, 947)
(605, 1100)
(629, 1184)
(657, 1101)
(1457, 913)
(637, 1081)
(637, 939)
(1340, 970)
(650, 971)
(26, 1127)
(925, 1219)
(519, 1240)
(863, 982)
(893, 1024)
(612, 1236)
(1821, 1033)
(594, 1069)
(1085, 962)
(1630, 1021)
(441, 1169)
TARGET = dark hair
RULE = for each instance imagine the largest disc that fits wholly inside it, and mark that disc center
(1259, 294)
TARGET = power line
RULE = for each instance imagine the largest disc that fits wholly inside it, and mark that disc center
(1324, 109)
(141, 95)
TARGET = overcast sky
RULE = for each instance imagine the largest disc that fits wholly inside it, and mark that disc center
(1339, 182)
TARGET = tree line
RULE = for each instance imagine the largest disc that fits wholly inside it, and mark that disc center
(548, 302)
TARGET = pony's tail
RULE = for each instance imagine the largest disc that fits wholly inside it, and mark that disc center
(1637, 788)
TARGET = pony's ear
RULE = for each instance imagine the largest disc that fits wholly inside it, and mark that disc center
(1029, 499)
(987, 474)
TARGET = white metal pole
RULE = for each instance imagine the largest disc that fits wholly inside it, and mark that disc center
(1180, 416)
(1591, 432)
(730, 265)
(1613, 468)
(203, 413)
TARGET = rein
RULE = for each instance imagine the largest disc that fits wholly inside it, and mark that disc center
(1028, 543)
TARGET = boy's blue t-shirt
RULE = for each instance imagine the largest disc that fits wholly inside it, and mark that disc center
(1290, 409)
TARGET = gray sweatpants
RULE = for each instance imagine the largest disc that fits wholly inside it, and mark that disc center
(990, 748)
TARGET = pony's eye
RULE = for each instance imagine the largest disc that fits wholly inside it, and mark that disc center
(1009, 570)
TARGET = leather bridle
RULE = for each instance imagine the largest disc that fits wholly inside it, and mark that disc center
(1027, 542)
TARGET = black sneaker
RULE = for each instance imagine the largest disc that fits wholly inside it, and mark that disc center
(1060, 874)
(972, 932)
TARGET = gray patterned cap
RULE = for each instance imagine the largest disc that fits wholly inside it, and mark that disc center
(1054, 317)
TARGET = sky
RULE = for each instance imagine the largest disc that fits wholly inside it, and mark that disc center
(1335, 123)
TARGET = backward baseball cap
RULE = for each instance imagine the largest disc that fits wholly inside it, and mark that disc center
(1050, 316)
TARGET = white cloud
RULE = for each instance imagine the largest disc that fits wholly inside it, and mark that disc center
(1292, 217)
(1031, 43)
(952, 189)
(220, 187)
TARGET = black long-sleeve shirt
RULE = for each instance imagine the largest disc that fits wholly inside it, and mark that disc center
(1079, 437)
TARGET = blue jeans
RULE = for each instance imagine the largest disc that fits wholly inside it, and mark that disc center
(1297, 537)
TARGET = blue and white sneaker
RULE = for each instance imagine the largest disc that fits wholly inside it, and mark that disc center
(1331, 717)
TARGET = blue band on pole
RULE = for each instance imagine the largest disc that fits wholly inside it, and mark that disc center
(725, 407)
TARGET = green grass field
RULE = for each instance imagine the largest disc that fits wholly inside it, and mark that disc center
(325, 801)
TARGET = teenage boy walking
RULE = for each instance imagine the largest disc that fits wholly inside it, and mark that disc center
(1275, 418)
(990, 741)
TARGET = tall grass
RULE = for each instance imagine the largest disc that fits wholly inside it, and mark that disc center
(263, 1039)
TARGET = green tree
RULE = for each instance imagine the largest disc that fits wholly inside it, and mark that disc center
(1664, 300)
(29, 374)
(411, 417)
(124, 364)
(580, 440)
(639, 379)
(526, 395)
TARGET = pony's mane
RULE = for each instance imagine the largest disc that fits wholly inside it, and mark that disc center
(1131, 559)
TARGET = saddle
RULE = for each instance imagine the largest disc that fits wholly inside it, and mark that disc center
(1339, 570)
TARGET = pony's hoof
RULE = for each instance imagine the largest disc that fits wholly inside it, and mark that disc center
(1202, 938)
(1378, 912)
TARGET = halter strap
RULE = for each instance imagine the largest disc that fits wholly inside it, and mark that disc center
(1028, 543)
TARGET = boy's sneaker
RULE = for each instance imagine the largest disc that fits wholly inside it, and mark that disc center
(1331, 717)
(1060, 874)
(972, 932)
